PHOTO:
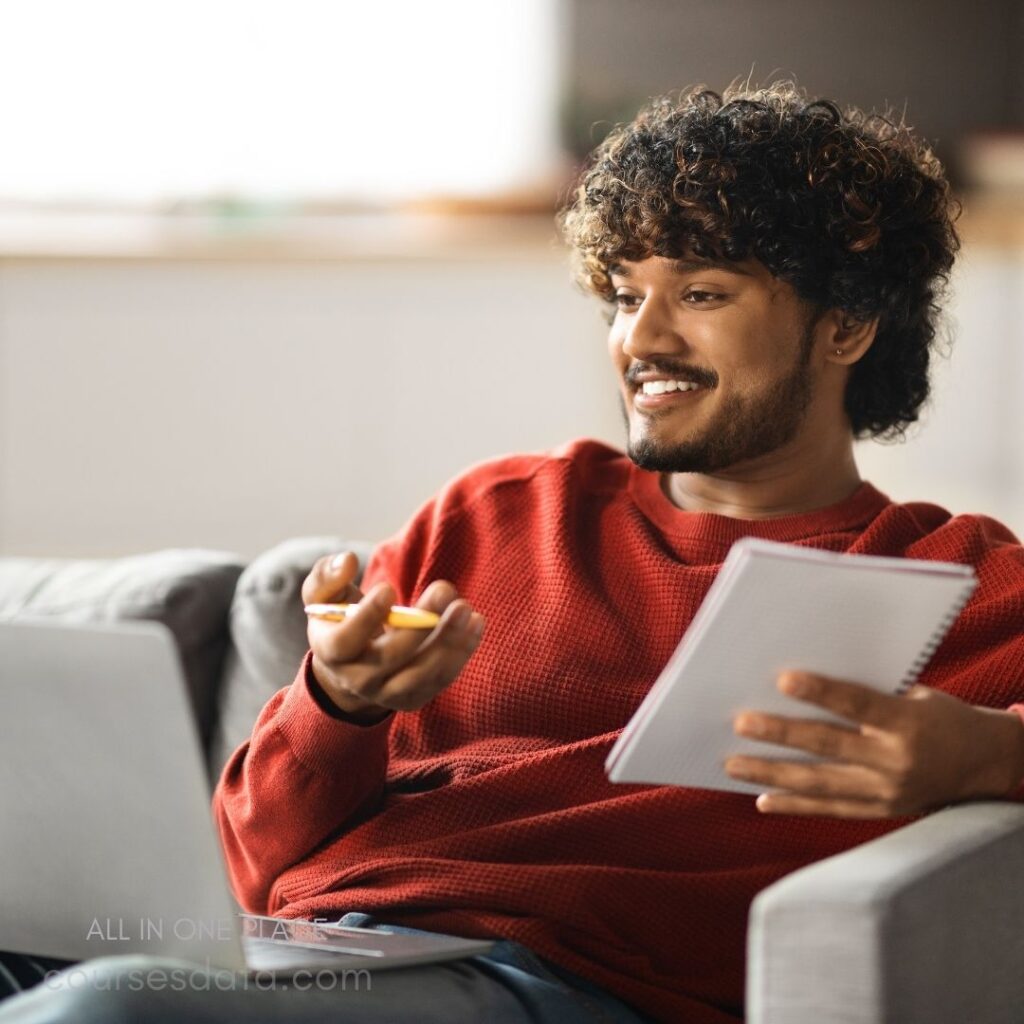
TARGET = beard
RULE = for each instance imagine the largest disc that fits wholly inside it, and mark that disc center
(744, 428)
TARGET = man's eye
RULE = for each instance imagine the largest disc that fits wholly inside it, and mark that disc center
(697, 297)
(702, 297)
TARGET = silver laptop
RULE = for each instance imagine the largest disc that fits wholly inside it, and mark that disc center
(107, 842)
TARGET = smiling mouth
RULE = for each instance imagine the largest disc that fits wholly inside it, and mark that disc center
(649, 399)
(661, 387)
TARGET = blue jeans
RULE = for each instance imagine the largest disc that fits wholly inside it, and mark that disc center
(510, 985)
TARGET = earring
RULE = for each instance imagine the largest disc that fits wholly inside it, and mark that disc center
(839, 351)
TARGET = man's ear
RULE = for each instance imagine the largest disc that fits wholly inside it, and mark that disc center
(848, 339)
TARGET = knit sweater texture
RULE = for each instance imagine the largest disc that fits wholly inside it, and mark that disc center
(487, 812)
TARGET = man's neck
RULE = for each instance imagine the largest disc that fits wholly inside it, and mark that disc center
(780, 484)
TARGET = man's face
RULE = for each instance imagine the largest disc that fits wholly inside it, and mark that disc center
(739, 334)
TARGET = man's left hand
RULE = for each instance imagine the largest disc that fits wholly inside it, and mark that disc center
(900, 755)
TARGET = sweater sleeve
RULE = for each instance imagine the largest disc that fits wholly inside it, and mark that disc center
(302, 776)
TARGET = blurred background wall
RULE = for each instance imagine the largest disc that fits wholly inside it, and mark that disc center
(228, 361)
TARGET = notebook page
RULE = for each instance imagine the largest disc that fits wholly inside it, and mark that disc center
(865, 619)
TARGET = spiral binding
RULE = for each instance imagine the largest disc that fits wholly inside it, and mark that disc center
(935, 639)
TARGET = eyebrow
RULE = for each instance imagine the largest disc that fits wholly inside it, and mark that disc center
(689, 266)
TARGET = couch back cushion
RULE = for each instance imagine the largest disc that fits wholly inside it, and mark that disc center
(268, 635)
(188, 590)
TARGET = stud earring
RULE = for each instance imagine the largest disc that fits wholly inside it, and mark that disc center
(839, 351)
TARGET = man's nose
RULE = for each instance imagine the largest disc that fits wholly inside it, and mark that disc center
(649, 332)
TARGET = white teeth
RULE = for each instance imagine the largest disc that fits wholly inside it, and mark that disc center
(660, 387)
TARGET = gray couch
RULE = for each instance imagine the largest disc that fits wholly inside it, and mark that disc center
(922, 926)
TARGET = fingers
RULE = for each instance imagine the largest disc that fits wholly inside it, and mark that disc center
(460, 627)
(815, 780)
(401, 647)
(899, 756)
(435, 665)
(398, 644)
(330, 580)
(389, 666)
(837, 742)
(438, 597)
(784, 803)
(338, 642)
(854, 701)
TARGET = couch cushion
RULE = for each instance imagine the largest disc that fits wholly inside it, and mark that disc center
(188, 590)
(268, 635)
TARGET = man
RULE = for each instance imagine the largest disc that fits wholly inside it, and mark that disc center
(773, 266)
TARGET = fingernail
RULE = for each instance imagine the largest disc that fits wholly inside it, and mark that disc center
(337, 560)
(384, 597)
(792, 684)
(462, 616)
(750, 726)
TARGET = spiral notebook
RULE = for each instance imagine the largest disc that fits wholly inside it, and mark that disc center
(861, 618)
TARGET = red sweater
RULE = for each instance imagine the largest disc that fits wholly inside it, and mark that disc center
(488, 813)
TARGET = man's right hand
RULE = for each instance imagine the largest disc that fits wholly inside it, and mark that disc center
(368, 668)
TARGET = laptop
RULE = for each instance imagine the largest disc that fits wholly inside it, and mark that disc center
(107, 842)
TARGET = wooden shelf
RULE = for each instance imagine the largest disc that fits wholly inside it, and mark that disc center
(434, 232)
(992, 220)
(349, 237)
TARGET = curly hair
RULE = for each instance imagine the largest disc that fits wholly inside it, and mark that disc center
(851, 209)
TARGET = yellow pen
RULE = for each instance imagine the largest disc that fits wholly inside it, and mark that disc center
(400, 615)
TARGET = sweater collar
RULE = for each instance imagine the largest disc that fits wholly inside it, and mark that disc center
(853, 512)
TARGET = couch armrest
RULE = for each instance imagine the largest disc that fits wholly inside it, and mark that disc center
(924, 925)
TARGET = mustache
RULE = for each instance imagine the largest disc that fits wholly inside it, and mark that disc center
(681, 371)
